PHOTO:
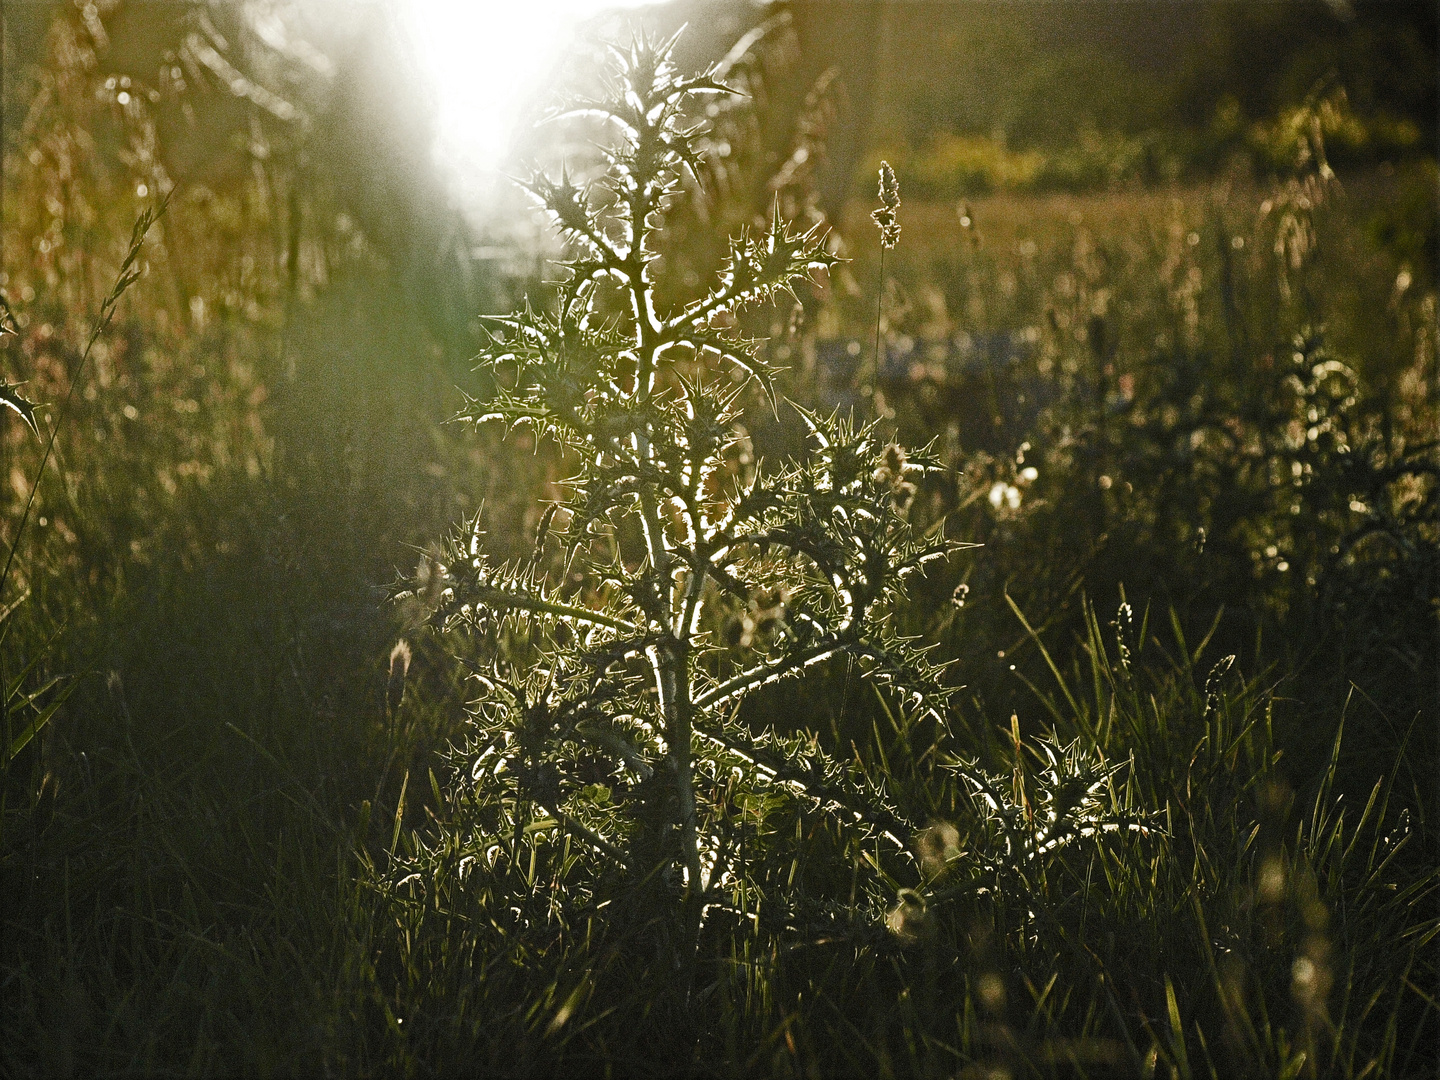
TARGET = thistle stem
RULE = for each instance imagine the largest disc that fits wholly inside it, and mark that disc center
(520, 601)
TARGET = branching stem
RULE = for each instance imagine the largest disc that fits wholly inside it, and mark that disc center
(526, 602)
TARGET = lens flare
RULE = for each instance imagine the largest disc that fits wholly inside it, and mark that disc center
(485, 60)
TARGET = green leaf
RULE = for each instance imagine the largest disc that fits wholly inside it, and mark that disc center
(1177, 1031)
(35, 725)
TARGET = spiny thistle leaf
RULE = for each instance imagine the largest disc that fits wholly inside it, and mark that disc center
(10, 397)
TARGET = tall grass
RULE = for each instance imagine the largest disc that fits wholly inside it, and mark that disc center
(1140, 888)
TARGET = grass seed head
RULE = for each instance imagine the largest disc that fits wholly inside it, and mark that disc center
(885, 216)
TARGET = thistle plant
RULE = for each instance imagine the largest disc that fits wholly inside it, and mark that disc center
(676, 577)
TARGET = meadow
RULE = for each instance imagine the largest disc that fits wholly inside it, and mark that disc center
(1153, 796)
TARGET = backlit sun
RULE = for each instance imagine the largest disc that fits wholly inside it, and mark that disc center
(486, 59)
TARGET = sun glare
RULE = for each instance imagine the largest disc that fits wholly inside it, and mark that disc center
(486, 59)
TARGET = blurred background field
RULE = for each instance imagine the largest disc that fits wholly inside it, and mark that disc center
(1165, 303)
